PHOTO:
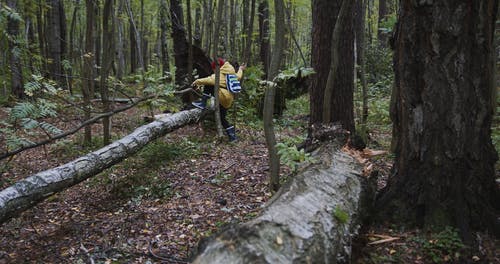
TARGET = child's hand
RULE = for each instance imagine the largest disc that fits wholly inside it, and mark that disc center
(243, 66)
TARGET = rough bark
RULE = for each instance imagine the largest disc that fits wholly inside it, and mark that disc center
(442, 109)
(16, 78)
(302, 222)
(382, 13)
(339, 89)
(180, 44)
(34, 189)
(324, 15)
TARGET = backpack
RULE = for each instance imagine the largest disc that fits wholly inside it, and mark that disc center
(232, 83)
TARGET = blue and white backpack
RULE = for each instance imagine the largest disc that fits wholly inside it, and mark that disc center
(232, 83)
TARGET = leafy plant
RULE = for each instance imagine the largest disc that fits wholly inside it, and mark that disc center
(291, 156)
(445, 246)
(340, 215)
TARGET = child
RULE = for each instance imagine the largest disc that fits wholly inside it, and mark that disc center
(226, 98)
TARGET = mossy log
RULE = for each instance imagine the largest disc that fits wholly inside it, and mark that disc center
(312, 219)
(28, 192)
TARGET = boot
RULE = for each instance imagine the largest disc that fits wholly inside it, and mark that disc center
(202, 103)
(231, 133)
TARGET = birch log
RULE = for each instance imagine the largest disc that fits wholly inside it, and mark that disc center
(33, 189)
(312, 219)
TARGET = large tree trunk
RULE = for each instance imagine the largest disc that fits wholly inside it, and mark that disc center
(28, 192)
(338, 94)
(324, 15)
(180, 44)
(382, 13)
(16, 78)
(312, 219)
(442, 113)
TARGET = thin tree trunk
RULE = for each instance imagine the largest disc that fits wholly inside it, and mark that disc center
(163, 42)
(249, 33)
(264, 36)
(220, 9)
(190, 43)
(107, 61)
(197, 27)
(88, 67)
(56, 34)
(277, 55)
(71, 48)
(382, 13)
(16, 76)
(120, 45)
(137, 36)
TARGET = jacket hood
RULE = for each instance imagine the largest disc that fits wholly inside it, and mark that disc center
(227, 68)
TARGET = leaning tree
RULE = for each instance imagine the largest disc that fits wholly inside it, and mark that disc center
(442, 109)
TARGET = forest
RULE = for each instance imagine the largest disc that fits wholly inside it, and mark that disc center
(365, 131)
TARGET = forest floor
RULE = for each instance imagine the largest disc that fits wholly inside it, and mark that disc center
(156, 206)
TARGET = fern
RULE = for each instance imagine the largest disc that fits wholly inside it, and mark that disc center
(49, 128)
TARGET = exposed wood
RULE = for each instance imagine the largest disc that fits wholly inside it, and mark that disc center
(34, 189)
(302, 223)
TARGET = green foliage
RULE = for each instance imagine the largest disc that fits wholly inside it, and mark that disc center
(291, 156)
(340, 215)
(379, 71)
(159, 152)
(387, 24)
(161, 88)
(26, 121)
(252, 93)
(442, 247)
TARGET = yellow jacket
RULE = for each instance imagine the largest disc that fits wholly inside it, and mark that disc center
(225, 97)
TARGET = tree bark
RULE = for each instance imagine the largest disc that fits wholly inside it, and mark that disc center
(442, 109)
(248, 46)
(88, 67)
(312, 219)
(120, 41)
(264, 36)
(34, 189)
(16, 76)
(324, 15)
(180, 44)
(382, 13)
(108, 29)
(164, 32)
(218, 123)
(338, 95)
(56, 33)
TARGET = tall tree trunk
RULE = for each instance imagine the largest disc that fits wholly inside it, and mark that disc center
(55, 31)
(164, 31)
(359, 32)
(133, 44)
(120, 41)
(190, 43)
(338, 95)
(108, 29)
(220, 9)
(16, 76)
(180, 45)
(249, 33)
(382, 13)
(41, 35)
(264, 36)
(137, 37)
(245, 16)
(71, 49)
(88, 67)
(277, 55)
(444, 97)
(324, 15)
(208, 23)
(197, 26)
(232, 29)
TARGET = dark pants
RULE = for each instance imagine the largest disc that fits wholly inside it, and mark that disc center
(223, 111)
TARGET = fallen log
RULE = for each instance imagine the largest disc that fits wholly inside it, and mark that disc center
(312, 219)
(28, 192)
